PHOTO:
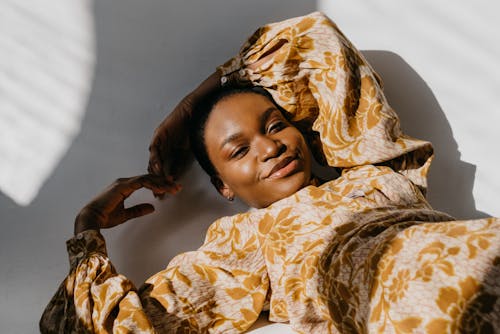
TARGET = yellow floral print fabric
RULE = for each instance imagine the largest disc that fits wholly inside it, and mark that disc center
(364, 253)
(331, 92)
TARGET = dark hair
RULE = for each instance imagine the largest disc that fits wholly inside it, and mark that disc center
(200, 116)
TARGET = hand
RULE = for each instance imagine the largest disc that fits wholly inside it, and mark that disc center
(108, 209)
(170, 152)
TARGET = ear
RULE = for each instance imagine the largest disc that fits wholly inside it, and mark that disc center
(222, 187)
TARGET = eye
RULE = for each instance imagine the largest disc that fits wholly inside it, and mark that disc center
(276, 126)
(239, 152)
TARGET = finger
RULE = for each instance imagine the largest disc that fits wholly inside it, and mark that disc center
(154, 164)
(209, 85)
(116, 193)
(138, 211)
(166, 169)
(157, 184)
(124, 187)
(159, 196)
(165, 187)
(172, 190)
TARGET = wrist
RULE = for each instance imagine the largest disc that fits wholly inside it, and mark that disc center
(84, 222)
(85, 226)
(209, 85)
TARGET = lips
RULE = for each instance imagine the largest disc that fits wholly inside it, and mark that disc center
(284, 168)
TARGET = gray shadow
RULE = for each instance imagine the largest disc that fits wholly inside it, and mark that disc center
(149, 55)
(450, 179)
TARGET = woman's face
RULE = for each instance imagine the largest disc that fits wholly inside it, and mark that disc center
(259, 156)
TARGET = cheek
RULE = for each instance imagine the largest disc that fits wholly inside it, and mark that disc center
(246, 171)
(299, 142)
(296, 140)
(239, 175)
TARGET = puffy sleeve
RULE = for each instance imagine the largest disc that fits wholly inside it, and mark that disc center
(221, 287)
(333, 95)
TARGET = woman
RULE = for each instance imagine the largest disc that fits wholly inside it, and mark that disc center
(361, 253)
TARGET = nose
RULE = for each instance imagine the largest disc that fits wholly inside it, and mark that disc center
(269, 148)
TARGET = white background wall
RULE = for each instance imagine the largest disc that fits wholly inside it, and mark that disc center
(438, 60)
(149, 54)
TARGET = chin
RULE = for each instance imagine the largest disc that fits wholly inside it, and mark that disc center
(286, 187)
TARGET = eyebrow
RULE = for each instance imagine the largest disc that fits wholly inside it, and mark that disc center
(265, 115)
(229, 139)
(262, 120)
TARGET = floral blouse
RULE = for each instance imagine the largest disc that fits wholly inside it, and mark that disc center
(362, 253)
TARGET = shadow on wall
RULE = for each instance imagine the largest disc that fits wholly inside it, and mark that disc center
(149, 55)
(450, 180)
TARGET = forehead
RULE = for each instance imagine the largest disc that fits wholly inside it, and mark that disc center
(245, 103)
(238, 111)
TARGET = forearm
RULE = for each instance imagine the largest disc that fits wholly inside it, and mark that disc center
(182, 113)
(210, 84)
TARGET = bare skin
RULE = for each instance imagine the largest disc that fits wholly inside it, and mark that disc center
(169, 157)
(169, 148)
(107, 209)
(170, 153)
(259, 156)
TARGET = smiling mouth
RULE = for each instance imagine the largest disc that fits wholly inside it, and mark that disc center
(284, 168)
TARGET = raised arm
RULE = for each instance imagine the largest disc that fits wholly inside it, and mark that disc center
(170, 153)
(332, 94)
